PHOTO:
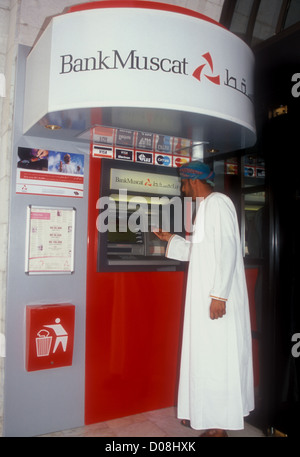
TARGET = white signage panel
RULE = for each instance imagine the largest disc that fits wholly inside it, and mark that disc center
(145, 58)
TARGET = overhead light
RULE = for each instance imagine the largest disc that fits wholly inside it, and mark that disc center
(279, 111)
(213, 150)
(52, 127)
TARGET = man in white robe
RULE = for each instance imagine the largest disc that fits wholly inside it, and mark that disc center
(216, 374)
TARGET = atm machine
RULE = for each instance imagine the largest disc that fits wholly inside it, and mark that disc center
(135, 200)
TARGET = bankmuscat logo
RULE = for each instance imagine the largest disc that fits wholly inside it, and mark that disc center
(133, 61)
(199, 71)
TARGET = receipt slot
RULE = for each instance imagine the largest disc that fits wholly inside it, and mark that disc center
(49, 336)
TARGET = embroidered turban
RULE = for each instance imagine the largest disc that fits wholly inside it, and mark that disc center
(197, 170)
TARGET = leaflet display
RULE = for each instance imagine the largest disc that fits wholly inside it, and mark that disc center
(50, 240)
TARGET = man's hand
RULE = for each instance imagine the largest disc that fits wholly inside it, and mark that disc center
(217, 309)
(163, 236)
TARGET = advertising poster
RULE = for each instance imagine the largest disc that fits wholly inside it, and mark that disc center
(125, 138)
(145, 141)
(50, 240)
(103, 135)
(163, 144)
(45, 172)
(182, 146)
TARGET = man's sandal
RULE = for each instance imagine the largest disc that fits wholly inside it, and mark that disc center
(186, 423)
(214, 433)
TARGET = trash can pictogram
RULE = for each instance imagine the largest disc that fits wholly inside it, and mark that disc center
(49, 336)
(43, 343)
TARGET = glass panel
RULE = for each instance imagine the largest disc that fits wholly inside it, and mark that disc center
(266, 20)
(293, 15)
(254, 170)
(254, 225)
(219, 175)
(240, 17)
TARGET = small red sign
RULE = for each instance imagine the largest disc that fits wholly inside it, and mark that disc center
(178, 161)
(49, 336)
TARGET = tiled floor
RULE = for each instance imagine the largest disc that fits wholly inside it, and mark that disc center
(161, 423)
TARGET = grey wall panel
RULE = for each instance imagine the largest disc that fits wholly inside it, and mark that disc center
(49, 400)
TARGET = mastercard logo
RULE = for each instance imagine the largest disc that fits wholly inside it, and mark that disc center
(180, 161)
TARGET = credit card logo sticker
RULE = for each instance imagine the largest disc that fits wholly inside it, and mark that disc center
(124, 154)
(144, 157)
(163, 160)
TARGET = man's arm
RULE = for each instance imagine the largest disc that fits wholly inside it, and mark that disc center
(178, 248)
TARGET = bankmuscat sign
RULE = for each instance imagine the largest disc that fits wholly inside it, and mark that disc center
(133, 61)
(140, 58)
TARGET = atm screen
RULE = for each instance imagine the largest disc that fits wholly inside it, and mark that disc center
(122, 237)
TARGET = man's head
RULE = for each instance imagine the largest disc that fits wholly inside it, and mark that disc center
(67, 158)
(196, 179)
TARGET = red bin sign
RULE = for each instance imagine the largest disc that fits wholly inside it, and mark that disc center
(49, 336)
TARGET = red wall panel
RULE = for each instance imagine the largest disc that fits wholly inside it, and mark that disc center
(251, 278)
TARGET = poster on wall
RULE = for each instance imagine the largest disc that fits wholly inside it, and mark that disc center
(50, 235)
(46, 172)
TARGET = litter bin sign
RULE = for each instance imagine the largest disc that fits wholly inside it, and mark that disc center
(43, 343)
(49, 336)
